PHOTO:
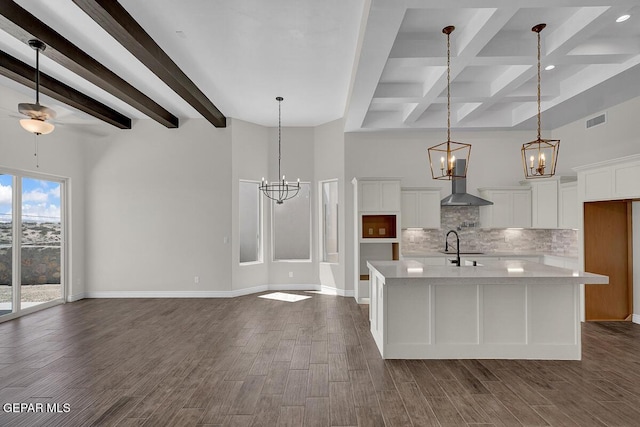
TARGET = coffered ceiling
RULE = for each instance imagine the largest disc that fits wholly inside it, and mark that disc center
(379, 63)
(401, 78)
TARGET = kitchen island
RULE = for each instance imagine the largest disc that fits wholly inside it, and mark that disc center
(501, 310)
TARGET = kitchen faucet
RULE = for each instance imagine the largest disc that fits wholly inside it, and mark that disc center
(446, 246)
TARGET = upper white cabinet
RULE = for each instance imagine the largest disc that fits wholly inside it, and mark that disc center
(420, 208)
(544, 204)
(569, 214)
(610, 180)
(379, 195)
(511, 207)
(548, 207)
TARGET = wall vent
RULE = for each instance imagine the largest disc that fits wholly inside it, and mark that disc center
(598, 120)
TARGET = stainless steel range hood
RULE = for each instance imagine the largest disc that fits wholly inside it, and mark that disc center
(459, 196)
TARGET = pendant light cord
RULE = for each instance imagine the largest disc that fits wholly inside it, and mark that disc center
(539, 111)
(279, 135)
(37, 77)
(448, 87)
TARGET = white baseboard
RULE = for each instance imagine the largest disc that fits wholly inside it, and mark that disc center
(636, 318)
(159, 294)
(210, 294)
(247, 291)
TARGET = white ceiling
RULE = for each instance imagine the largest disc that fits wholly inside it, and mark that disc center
(383, 61)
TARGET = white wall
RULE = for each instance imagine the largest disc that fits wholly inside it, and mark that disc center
(329, 164)
(618, 137)
(297, 162)
(61, 155)
(250, 154)
(158, 210)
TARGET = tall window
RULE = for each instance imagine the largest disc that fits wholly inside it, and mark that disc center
(250, 222)
(329, 221)
(291, 225)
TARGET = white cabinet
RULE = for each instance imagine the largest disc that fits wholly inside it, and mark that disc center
(544, 204)
(420, 208)
(511, 207)
(379, 196)
(569, 207)
(376, 204)
(547, 202)
(610, 180)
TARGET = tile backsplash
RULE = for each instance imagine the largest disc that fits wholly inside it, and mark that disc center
(466, 221)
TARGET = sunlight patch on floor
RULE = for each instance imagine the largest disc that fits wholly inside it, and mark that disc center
(283, 296)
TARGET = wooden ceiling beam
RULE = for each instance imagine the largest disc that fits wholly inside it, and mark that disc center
(24, 26)
(116, 21)
(25, 74)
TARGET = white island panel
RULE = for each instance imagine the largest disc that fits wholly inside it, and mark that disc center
(409, 303)
(553, 318)
(504, 314)
(456, 314)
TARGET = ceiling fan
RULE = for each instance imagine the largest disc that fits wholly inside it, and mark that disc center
(38, 114)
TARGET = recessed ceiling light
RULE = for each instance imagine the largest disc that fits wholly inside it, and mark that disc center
(623, 18)
(549, 67)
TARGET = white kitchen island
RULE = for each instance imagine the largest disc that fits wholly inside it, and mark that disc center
(502, 310)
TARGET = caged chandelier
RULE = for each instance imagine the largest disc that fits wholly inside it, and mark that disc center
(37, 113)
(539, 157)
(446, 152)
(280, 190)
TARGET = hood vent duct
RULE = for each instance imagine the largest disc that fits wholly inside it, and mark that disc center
(459, 196)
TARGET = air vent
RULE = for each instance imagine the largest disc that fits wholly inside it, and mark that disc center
(598, 120)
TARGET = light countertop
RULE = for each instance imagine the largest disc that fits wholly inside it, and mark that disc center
(493, 272)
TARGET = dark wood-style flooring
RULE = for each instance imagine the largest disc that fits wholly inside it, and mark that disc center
(249, 361)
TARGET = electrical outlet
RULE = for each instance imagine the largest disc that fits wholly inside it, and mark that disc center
(412, 239)
(382, 231)
(370, 231)
(196, 279)
(291, 274)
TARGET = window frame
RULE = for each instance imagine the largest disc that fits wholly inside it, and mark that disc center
(260, 259)
(321, 223)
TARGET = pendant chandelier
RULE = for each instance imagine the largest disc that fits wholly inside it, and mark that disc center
(37, 113)
(446, 154)
(281, 190)
(539, 157)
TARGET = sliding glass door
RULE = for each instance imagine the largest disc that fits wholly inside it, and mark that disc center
(31, 243)
(6, 244)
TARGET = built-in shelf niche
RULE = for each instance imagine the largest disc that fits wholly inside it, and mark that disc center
(379, 226)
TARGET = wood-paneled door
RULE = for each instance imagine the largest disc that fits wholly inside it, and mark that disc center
(608, 251)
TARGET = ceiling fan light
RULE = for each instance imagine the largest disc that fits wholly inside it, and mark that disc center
(39, 127)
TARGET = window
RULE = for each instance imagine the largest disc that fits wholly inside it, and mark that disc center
(329, 221)
(250, 222)
(291, 226)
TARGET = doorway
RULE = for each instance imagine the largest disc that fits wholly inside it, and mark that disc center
(608, 250)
